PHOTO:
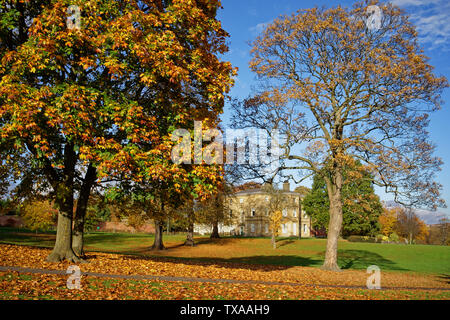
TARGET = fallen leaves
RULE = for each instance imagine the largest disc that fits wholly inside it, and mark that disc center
(311, 280)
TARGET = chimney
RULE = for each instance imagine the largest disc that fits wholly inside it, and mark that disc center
(286, 186)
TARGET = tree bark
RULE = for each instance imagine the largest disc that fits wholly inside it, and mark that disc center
(190, 234)
(64, 198)
(158, 243)
(215, 232)
(334, 187)
(80, 214)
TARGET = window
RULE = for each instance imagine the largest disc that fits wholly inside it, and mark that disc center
(252, 227)
(305, 228)
(294, 212)
(283, 228)
(284, 212)
(267, 211)
(267, 228)
(294, 226)
(305, 216)
(267, 198)
(253, 211)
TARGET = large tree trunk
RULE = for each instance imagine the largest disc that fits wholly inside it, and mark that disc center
(158, 243)
(215, 232)
(64, 198)
(334, 187)
(80, 214)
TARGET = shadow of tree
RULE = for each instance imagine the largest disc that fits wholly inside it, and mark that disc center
(256, 263)
(445, 277)
(361, 259)
(282, 243)
(217, 241)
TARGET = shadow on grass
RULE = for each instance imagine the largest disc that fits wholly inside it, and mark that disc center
(282, 243)
(361, 259)
(255, 263)
(217, 241)
(445, 277)
(28, 238)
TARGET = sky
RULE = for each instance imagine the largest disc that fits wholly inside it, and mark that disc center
(245, 19)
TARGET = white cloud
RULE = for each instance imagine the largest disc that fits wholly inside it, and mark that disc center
(430, 217)
(402, 3)
(432, 20)
(256, 30)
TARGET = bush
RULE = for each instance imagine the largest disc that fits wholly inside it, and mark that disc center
(39, 215)
(382, 238)
(361, 239)
(394, 237)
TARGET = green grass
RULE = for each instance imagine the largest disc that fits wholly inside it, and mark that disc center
(290, 252)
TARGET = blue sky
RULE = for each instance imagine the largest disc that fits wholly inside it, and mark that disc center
(244, 19)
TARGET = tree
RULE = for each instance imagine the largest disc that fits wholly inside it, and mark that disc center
(100, 103)
(410, 226)
(339, 91)
(444, 229)
(214, 210)
(388, 220)
(361, 206)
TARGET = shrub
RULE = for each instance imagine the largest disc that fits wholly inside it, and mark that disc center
(361, 239)
(39, 215)
(382, 238)
(394, 237)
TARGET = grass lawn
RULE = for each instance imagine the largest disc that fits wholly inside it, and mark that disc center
(290, 252)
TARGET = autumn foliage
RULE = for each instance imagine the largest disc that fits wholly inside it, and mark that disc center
(99, 103)
(39, 215)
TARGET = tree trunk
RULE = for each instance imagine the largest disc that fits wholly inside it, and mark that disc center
(64, 197)
(274, 241)
(215, 233)
(80, 214)
(190, 234)
(334, 187)
(158, 243)
(63, 244)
